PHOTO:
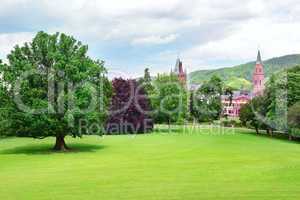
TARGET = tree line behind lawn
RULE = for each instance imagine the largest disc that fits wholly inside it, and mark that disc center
(49, 82)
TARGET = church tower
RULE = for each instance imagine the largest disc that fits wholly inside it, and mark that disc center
(180, 72)
(258, 77)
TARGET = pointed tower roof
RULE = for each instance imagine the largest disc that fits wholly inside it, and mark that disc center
(180, 68)
(176, 70)
(258, 60)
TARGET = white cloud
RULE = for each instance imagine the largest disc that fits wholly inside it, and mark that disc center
(153, 40)
(275, 39)
(202, 31)
(9, 40)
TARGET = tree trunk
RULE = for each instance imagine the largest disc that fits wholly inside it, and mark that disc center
(271, 132)
(290, 137)
(256, 129)
(60, 144)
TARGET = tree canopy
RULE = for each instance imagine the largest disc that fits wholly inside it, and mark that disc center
(206, 102)
(169, 99)
(53, 87)
(129, 109)
(278, 106)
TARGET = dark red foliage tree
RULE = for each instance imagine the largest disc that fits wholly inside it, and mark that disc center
(129, 110)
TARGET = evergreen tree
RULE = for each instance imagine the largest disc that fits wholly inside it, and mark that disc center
(146, 82)
(147, 77)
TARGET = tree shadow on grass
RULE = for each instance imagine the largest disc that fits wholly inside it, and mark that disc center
(274, 136)
(41, 149)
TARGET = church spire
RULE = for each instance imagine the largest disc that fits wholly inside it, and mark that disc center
(258, 60)
(179, 71)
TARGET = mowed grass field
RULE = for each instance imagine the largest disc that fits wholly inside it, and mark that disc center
(198, 165)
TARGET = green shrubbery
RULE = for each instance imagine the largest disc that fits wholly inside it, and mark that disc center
(231, 123)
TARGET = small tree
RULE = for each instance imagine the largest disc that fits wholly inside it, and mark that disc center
(169, 100)
(229, 91)
(294, 120)
(207, 104)
(129, 109)
(52, 85)
(147, 77)
(247, 117)
(253, 114)
(191, 106)
(146, 83)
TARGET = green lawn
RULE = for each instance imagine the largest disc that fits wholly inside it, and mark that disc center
(157, 166)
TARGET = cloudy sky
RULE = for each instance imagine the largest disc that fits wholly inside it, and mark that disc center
(133, 34)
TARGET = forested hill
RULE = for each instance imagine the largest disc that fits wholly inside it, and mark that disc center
(242, 74)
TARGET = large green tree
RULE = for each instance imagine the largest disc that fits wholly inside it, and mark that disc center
(282, 92)
(293, 86)
(55, 89)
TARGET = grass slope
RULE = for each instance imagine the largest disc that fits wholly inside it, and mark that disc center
(245, 71)
(238, 83)
(158, 166)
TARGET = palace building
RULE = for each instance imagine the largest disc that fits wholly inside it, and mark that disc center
(231, 108)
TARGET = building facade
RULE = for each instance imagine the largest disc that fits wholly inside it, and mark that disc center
(232, 108)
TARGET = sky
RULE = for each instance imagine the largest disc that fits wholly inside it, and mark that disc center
(134, 34)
